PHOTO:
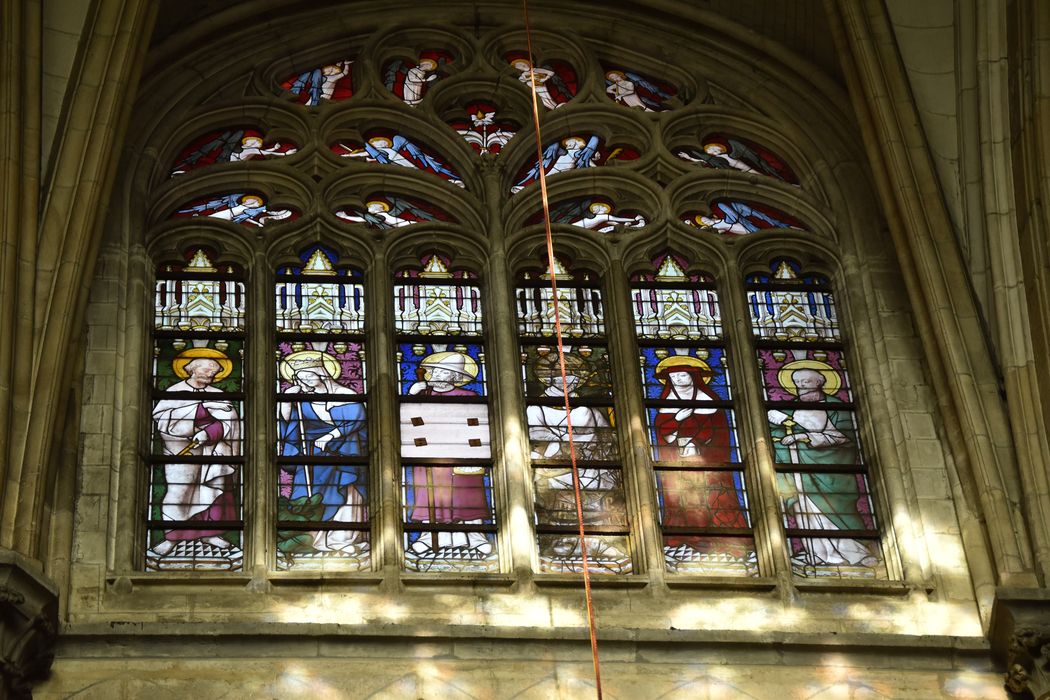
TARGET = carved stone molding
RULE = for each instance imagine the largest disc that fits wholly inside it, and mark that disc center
(1020, 636)
(28, 625)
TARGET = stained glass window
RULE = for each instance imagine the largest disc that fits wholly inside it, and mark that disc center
(822, 479)
(703, 505)
(195, 506)
(588, 380)
(322, 431)
(449, 519)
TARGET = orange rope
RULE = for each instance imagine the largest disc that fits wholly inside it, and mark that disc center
(592, 628)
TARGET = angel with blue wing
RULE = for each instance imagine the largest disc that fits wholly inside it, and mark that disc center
(633, 90)
(738, 218)
(401, 151)
(238, 208)
(319, 84)
(570, 153)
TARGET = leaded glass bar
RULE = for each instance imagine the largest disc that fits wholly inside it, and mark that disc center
(194, 517)
(700, 483)
(448, 518)
(825, 498)
(588, 379)
(321, 414)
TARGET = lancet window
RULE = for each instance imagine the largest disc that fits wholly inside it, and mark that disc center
(822, 481)
(446, 453)
(703, 505)
(322, 427)
(588, 381)
(196, 467)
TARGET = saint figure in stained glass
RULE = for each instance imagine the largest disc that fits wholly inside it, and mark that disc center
(592, 431)
(690, 432)
(333, 425)
(198, 424)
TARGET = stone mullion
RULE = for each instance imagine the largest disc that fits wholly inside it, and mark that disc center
(259, 472)
(756, 450)
(384, 447)
(640, 479)
(512, 469)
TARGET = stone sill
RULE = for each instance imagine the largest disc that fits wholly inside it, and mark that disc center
(236, 632)
(899, 588)
(600, 581)
(466, 580)
(721, 583)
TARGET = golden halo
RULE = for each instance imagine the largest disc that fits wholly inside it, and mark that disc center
(440, 359)
(668, 364)
(308, 359)
(381, 203)
(187, 356)
(833, 380)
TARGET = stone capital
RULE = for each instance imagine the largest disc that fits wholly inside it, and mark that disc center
(1020, 637)
(28, 625)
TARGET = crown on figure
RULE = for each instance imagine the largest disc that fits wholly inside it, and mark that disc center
(302, 363)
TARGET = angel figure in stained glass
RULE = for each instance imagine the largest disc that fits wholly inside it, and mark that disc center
(596, 215)
(238, 208)
(319, 85)
(410, 80)
(733, 154)
(198, 425)
(552, 88)
(399, 150)
(633, 90)
(392, 212)
(737, 218)
(252, 147)
(568, 154)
